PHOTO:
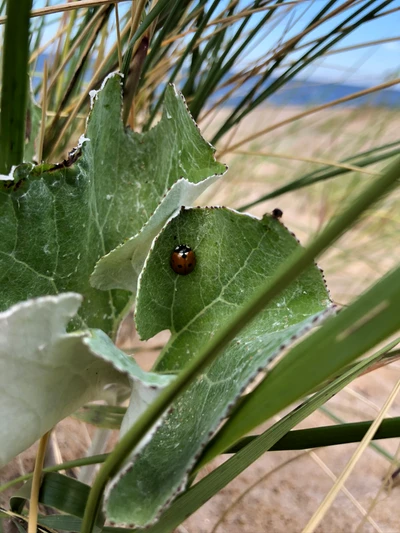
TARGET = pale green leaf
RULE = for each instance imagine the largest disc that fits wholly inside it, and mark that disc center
(46, 374)
(210, 485)
(235, 254)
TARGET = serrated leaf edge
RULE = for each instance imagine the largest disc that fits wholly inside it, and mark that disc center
(317, 320)
(154, 226)
(230, 209)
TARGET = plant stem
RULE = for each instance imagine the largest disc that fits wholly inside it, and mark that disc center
(37, 475)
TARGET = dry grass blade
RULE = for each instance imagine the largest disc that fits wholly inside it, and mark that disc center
(382, 488)
(44, 109)
(228, 21)
(118, 37)
(51, 10)
(326, 162)
(34, 501)
(309, 112)
(36, 53)
(362, 45)
(86, 31)
(79, 66)
(77, 105)
(287, 45)
(387, 12)
(346, 492)
(330, 497)
(136, 17)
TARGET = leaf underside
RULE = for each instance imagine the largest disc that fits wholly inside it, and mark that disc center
(47, 374)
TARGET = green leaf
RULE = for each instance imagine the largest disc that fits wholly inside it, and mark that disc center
(58, 220)
(185, 155)
(59, 492)
(295, 265)
(210, 485)
(356, 329)
(235, 254)
(47, 374)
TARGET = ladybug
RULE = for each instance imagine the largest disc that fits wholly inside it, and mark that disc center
(277, 213)
(183, 259)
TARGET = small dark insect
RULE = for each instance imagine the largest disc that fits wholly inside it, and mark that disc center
(277, 213)
(183, 259)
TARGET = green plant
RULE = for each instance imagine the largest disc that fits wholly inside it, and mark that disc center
(85, 239)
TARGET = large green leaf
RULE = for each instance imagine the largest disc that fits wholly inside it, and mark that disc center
(47, 374)
(210, 485)
(369, 320)
(56, 221)
(235, 254)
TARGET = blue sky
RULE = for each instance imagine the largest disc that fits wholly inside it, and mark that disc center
(365, 66)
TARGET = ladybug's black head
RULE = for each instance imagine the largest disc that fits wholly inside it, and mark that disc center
(182, 249)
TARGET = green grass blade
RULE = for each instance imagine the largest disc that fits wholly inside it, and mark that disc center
(176, 23)
(356, 329)
(303, 439)
(84, 461)
(60, 492)
(363, 159)
(181, 60)
(148, 19)
(373, 445)
(219, 70)
(156, 44)
(341, 31)
(196, 496)
(14, 85)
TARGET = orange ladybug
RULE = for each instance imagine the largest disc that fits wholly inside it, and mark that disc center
(183, 259)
